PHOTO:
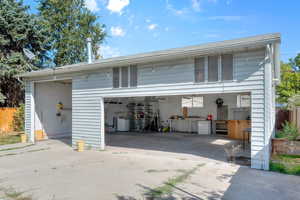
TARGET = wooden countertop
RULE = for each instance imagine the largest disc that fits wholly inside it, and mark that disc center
(239, 120)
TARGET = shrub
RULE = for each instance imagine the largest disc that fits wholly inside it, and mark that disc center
(294, 101)
(289, 131)
(18, 119)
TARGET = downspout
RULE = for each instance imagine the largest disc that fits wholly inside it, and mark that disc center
(268, 82)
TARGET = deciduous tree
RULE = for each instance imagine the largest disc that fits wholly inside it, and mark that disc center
(290, 80)
(70, 24)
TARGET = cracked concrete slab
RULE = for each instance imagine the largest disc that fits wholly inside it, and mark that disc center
(60, 173)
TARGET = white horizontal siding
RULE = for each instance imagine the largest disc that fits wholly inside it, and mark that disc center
(176, 78)
(86, 111)
(248, 67)
(181, 71)
(28, 122)
(100, 79)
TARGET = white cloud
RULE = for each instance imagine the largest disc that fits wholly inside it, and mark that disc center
(196, 5)
(167, 29)
(152, 26)
(92, 5)
(131, 19)
(117, 31)
(148, 20)
(175, 11)
(107, 51)
(117, 6)
(226, 18)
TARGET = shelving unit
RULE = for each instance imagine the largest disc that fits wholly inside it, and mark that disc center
(140, 116)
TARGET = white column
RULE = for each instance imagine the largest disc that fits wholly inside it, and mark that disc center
(268, 107)
(32, 112)
(102, 124)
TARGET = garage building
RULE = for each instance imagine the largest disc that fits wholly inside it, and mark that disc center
(216, 90)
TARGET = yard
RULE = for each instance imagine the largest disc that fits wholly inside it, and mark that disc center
(52, 170)
(10, 139)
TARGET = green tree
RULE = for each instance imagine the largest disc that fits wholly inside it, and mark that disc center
(70, 24)
(295, 62)
(19, 30)
(290, 80)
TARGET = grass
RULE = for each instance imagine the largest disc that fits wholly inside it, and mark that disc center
(168, 186)
(156, 170)
(15, 148)
(11, 139)
(41, 149)
(29, 151)
(287, 164)
(13, 194)
(8, 154)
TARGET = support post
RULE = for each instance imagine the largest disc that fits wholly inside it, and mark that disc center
(32, 112)
(102, 124)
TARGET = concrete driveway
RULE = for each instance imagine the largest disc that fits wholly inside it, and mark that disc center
(51, 170)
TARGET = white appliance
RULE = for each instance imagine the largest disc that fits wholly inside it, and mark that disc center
(204, 127)
(123, 124)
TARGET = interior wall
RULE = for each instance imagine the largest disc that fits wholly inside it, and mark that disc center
(115, 110)
(117, 107)
(172, 106)
(47, 95)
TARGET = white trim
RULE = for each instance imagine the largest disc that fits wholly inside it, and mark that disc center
(219, 68)
(120, 77)
(190, 51)
(206, 69)
(129, 77)
(32, 112)
(53, 79)
(267, 106)
(234, 78)
(177, 92)
(102, 124)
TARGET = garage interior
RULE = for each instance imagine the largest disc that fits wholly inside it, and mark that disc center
(203, 125)
(53, 110)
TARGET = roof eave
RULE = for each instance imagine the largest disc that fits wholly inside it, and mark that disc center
(257, 41)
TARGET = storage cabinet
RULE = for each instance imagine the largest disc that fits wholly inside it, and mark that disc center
(236, 128)
(204, 127)
(191, 126)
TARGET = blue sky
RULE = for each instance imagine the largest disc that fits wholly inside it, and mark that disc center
(136, 26)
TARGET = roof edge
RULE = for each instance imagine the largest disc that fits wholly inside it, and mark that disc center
(155, 56)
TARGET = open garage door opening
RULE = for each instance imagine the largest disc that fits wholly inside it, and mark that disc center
(53, 110)
(215, 126)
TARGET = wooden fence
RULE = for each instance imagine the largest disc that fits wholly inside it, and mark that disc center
(282, 115)
(295, 116)
(6, 120)
(292, 116)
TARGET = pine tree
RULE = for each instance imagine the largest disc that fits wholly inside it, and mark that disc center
(19, 30)
(70, 24)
